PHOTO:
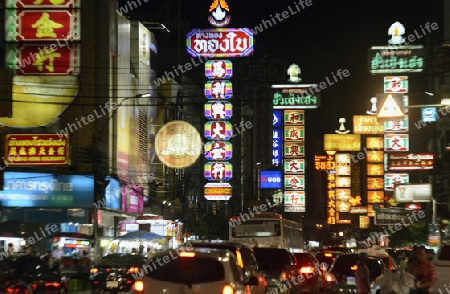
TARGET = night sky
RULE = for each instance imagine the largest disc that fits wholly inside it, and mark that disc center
(325, 37)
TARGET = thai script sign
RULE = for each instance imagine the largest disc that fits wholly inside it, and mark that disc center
(47, 190)
(338, 142)
(367, 124)
(410, 161)
(220, 42)
(290, 97)
(398, 59)
(37, 149)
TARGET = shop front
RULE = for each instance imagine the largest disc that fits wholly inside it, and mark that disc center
(42, 202)
(122, 204)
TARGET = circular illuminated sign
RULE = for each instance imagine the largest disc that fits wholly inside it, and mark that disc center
(178, 144)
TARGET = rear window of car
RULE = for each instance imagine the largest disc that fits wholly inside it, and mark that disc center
(327, 258)
(268, 258)
(246, 253)
(122, 259)
(444, 253)
(344, 264)
(189, 270)
(304, 258)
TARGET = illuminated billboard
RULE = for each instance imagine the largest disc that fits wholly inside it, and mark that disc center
(37, 149)
(339, 142)
(301, 96)
(220, 42)
(271, 179)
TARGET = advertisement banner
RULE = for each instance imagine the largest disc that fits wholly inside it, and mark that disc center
(37, 149)
(36, 190)
(132, 198)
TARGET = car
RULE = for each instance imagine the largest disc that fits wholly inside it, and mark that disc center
(244, 253)
(325, 259)
(116, 272)
(340, 279)
(388, 260)
(198, 270)
(27, 274)
(309, 266)
(280, 269)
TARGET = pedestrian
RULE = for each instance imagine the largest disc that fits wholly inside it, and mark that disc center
(362, 279)
(47, 258)
(10, 248)
(402, 261)
(424, 272)
(57, 253)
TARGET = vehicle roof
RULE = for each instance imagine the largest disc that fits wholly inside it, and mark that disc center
(204, 252)
(218, 243)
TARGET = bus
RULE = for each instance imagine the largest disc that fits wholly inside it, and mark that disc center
(266, 230)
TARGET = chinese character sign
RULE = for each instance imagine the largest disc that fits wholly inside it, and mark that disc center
(42, 25)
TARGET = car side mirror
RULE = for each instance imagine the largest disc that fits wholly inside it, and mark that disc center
(252, 281)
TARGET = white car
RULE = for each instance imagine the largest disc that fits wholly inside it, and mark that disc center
(193, 271)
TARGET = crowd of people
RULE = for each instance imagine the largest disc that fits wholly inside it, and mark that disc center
(422, 271)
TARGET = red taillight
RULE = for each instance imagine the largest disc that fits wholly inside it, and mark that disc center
(34, 286)
(138, 286)
(330, 278)
(52, 284)
(96, 282)
(307, 270)
(227, 289)
(93, 271)
(284, 276)
(12, 290)
(262, 281)
(133, 269)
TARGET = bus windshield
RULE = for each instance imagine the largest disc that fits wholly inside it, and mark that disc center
(257, 228)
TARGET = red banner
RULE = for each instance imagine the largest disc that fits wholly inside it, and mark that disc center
(42, 4)
(42, 25)
(44, 59)
(37, 149)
